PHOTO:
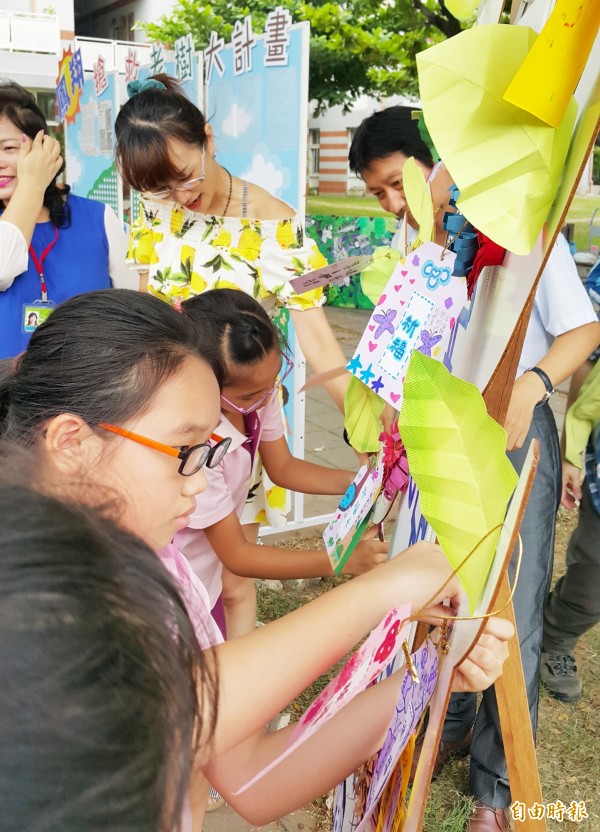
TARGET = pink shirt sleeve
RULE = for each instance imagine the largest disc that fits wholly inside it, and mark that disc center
(271, 421)
(194, 596)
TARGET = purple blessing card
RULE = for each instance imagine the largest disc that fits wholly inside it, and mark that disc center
(416, 311)
(412, 702)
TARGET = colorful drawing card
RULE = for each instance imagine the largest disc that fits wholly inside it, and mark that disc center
(417, 311)
(344, 531)
(371, 658)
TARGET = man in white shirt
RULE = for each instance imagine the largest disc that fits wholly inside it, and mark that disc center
(562, 332)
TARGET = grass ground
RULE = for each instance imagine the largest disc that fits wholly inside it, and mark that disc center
(568, 736)
(367, 206)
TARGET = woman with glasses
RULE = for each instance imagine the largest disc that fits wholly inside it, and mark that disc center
(201, 228)
(62, 244)
(255, 365)
(121, 414)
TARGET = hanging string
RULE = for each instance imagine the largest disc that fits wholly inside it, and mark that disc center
(415, 616)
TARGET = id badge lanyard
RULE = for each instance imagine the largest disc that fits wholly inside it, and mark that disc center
(38, 262)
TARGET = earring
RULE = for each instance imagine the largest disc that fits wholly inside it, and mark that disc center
(214, 154)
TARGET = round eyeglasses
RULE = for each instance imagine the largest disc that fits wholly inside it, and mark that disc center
(165, 193)
(192, 458)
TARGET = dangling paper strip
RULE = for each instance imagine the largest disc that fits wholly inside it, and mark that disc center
(417, 311)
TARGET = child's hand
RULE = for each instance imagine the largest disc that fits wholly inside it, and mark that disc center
(484, 663)
(420, 575)
(39, 161)
(368, 553)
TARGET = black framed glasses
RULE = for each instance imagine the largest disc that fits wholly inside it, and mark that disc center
(192, 458)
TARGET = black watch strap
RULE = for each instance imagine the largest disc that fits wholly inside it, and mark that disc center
(547, 383)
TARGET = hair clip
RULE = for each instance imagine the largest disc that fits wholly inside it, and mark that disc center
(176, 304)
(133, 87)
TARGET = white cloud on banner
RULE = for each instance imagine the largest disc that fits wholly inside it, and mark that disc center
(264, 173)
(236, 121)
(74, 168)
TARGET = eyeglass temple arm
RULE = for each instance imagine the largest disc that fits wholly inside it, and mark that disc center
(143, 440)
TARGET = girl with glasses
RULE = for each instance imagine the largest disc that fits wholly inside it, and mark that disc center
(255, 365)
(140, 366)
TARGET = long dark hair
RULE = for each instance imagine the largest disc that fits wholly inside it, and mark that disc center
(105, 692)
(384, 133)
(19, 106)
(237, 324)
(102, 356)
(143, 128)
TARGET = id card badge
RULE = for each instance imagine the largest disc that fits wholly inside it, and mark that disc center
(35, 313)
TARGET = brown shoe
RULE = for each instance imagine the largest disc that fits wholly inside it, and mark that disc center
(486, 819)
(446, 751)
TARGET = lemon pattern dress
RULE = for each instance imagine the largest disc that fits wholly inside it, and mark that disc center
(187, 253)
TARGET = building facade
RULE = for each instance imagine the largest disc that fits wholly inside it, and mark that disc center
(329, 138)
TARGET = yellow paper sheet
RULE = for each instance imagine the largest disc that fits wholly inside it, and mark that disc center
(457, 457)
(547, 78)
(418, 197)
(505, 161)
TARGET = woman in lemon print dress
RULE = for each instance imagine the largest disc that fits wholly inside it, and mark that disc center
(202, 228)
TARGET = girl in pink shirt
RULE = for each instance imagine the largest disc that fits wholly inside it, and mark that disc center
(117, 397)
(255, 364)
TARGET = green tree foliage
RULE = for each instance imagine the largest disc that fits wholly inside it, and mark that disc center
(359, 47)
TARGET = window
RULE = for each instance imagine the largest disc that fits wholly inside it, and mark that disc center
(314, 143)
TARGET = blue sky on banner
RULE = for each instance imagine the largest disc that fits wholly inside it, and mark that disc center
(257, 118)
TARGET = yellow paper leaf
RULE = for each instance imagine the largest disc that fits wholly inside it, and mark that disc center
(457, 457)
(362, 409)
(418, 197)
(547, 78)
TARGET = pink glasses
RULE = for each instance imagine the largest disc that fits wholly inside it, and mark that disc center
(286, 370)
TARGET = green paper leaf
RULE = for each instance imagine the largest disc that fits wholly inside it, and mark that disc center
(362, 408)
(418, 197)
(457, 457)
(374, 278)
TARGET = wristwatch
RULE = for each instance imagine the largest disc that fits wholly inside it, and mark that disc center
(547, 384)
